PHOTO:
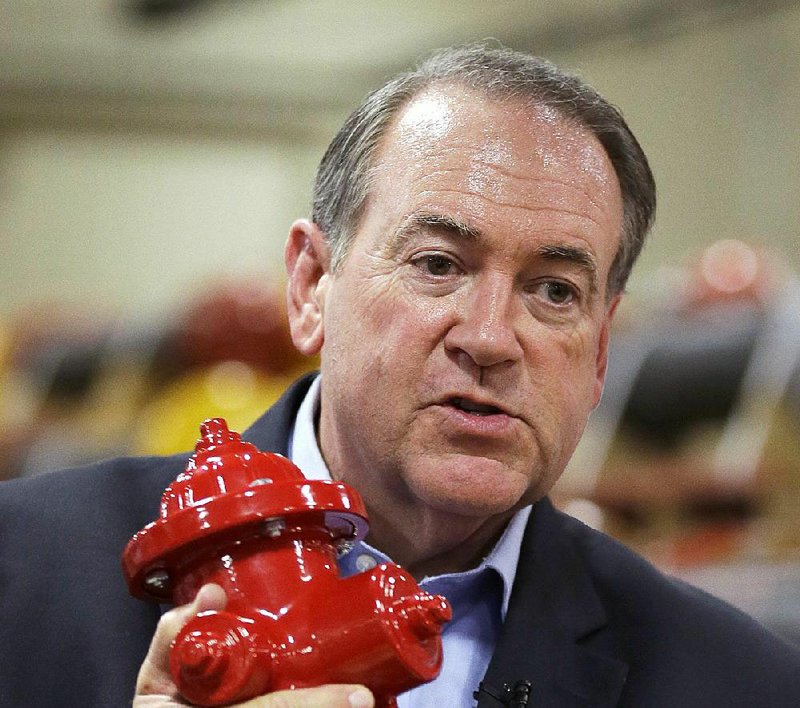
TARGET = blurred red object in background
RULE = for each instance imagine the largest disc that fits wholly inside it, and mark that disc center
(242, 320)
(730, 270)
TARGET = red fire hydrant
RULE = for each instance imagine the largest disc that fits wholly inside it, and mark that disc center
(250, 522)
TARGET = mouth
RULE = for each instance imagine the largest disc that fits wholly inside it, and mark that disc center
(474, 408)
(476, 420)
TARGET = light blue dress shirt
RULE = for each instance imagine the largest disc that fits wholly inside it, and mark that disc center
(479, 597)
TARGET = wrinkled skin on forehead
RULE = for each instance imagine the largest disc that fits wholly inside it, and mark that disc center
(464, 336)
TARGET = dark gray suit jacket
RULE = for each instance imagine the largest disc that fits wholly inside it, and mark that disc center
(589, 622)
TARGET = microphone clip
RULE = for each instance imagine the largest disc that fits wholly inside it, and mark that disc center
(512, 696)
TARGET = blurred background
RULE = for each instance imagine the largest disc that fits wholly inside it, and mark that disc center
(154, 152)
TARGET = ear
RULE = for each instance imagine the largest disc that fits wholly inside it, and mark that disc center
(601, 363)
(307, 259)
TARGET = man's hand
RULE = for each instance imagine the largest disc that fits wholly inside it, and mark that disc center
(156, 689)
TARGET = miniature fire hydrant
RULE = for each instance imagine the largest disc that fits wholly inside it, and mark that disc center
(250, 522)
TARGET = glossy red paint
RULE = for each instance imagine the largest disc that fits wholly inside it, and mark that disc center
(250, 522)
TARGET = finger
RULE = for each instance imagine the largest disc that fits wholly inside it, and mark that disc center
(154, 676)
(209, 597)
(331, 696)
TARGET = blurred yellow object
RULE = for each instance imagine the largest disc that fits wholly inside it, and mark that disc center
(232, 390)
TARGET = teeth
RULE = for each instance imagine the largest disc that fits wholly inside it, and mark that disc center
(476, 408)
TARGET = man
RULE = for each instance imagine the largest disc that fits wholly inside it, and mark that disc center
(474, 225)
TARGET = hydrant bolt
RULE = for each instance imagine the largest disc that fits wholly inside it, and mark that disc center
(343, 548)
(157, 581)
(274, 527)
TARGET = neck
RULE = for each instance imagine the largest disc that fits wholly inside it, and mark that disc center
(443, 543)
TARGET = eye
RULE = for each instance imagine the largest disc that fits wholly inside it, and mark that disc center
(557, 292)
(435, 264)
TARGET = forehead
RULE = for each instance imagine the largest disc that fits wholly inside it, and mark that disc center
(483, 152)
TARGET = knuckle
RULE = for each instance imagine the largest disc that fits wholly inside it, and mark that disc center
(172, 620)
(280, 701)
(168, 618)
(319, 697)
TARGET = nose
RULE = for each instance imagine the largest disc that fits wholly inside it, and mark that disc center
(486, 324)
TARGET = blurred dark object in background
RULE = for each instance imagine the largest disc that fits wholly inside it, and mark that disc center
(693, 373)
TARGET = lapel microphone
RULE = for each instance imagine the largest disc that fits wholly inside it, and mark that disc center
(516, 696)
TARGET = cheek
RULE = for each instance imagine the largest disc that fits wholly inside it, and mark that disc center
(568, 355)
(379, 334)
(388, 312)
(564, 375)
(581, 353)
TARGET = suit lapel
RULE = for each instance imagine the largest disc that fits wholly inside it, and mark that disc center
(271, 431)
(555, 634)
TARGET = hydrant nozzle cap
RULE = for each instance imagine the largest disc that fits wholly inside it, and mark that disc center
(212, 659)
(201, 656)
(424, 613)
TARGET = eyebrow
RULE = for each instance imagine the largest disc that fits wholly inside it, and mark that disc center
(413, 224)
(447, 223)
(416, 222)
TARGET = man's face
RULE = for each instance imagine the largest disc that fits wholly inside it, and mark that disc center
(465, 333)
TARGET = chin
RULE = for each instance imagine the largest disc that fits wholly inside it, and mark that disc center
(471, 492)
(474, 508)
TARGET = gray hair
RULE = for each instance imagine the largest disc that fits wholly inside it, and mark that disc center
(344, 174)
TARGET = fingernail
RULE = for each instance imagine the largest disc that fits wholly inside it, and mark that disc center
(360, 698)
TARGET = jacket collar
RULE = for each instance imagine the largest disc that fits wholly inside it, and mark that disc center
(556, 632)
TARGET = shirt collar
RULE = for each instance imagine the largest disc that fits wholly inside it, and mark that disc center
(303, 448)
(305, 453)
(504, 557)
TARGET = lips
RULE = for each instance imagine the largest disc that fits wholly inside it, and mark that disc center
(469, 406)
(475, 420)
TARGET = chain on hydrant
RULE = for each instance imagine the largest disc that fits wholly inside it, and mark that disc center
(250, 522)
